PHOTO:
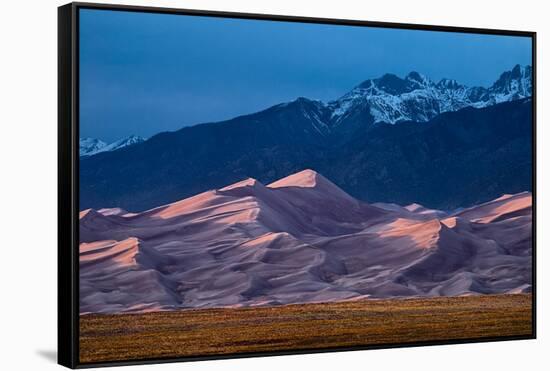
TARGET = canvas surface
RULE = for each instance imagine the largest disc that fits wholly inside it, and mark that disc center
(255, 186)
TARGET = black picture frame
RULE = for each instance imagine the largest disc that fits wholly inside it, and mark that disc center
(68, 180)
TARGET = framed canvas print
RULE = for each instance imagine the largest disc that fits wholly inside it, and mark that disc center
(235, 185)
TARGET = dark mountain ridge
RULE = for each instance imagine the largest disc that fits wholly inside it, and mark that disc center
(456, 159)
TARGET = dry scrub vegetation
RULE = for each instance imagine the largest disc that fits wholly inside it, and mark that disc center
(309, 326)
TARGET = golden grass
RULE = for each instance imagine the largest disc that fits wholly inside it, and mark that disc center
(305, 326)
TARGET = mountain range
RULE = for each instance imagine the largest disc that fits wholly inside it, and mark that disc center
(390, 139)
(300, 239)
(92, 146)
(415, 97)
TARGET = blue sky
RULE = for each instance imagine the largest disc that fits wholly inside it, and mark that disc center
(143, 73)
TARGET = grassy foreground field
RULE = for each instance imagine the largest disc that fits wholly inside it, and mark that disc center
(308, 326)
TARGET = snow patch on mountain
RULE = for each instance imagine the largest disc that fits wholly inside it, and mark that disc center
(89, 146)
(387, 99)
(92, 146)
(415, 97)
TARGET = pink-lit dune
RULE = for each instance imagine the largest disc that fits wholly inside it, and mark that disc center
(300, 239)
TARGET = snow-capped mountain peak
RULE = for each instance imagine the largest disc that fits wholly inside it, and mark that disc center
(387, 99)
(514, 84)
(415, 97)
(92, 146)
(124, 142)
(89, 146)
(418, 80)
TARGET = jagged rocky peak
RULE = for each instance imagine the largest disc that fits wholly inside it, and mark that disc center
(415, 97)
(392, 99)
(392, 84)
(450, 84)
(418, 79)
(517, 73)
(521, 71)
(517, 81)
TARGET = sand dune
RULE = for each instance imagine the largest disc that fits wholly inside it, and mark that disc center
(504, 207)
(300, 239)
